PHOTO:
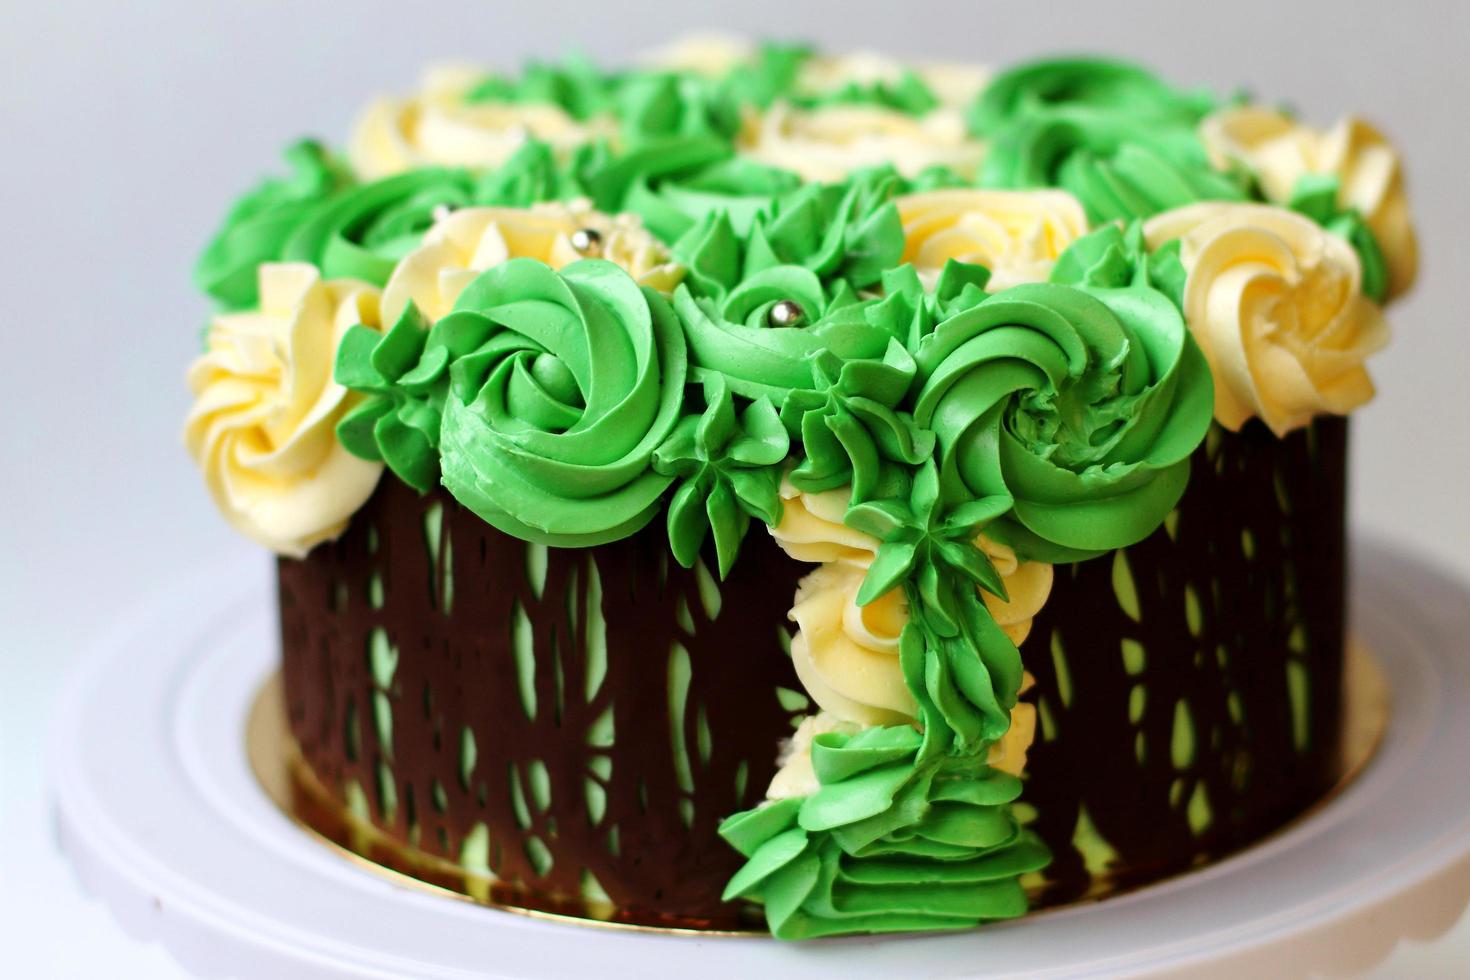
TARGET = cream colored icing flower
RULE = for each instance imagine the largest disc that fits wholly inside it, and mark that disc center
(827, 143)
(1280, 151)
(710, 55)
(467, 242)
(1277, 307)
(954, 85)
(811, 527)
(436, 126)
(846, 655)
(795, 775)
(265, 412)
(1016, 234)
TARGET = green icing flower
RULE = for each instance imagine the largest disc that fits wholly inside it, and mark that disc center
(1113, 257)
(850, 424)
(849, 232)
(1119, 139)
(728, 467)
(571, 382)
(260, 223)
(735, 337)
(907, 93)
(740, 188)
(1081, 403)
(1037, 87)
(405, 373)
(897, 839)
(363, 232)
(576, 85)
(961, 667)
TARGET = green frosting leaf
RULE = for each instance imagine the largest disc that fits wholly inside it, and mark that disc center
(1081, 403)
(573, 379)
(850, 425)
(728, 467)
(894, 841)
(260, 223)
(1114, 257)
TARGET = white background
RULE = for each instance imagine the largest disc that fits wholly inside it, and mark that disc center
(126, 128)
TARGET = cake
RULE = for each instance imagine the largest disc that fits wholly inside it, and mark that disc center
(764, 489)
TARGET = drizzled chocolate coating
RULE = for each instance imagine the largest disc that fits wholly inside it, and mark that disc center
(572, 806)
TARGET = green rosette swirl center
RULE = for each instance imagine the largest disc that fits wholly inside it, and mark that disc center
(572, 380)
(1082, 404)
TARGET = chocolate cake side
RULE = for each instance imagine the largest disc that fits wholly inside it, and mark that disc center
(577, 722)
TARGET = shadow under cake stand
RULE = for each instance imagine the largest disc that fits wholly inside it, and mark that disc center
(164, 820)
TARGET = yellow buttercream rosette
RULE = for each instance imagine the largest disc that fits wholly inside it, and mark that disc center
(1276, 305)
(846, 655)
(826, 143)
(1280, 151)
(436, 126)
(954, 85)
(467, 242)
(1017, 235)
(262, 428)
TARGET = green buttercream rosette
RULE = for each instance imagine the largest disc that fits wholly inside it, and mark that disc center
(1083, 404)
(735, 339)
(572, 380)
(1114, 135)
(260, 223)
(740, 188)
(848, 232)
(892, 841)
(363, 231)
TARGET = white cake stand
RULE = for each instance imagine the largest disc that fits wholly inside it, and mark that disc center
(164, 822)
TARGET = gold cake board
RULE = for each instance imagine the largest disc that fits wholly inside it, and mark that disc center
(289, 781)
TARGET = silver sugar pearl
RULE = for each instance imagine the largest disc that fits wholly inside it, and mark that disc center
(786, 313)
(587, 241)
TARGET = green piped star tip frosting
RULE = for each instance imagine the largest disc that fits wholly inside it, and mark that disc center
(994, 312)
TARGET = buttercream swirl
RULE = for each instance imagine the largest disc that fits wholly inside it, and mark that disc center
(1082, 405)
(260, 223)
(1276, 305)
(465, 243)
(1364, 166)
(870, 76)
(574, 379)
(1111, 133)
(828, 142)
(734, 337)
(265, 405)
(437, 126)
(1017, 235)
(897, 838)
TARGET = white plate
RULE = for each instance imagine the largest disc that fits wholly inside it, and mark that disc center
(163, 820)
